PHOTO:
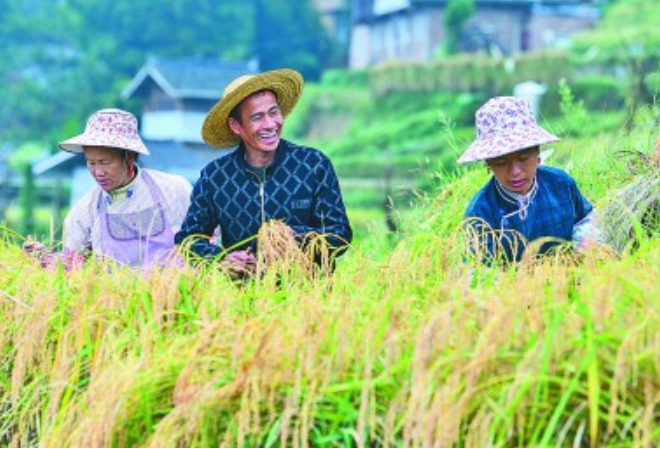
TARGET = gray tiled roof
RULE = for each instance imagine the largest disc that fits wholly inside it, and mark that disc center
(188, 78)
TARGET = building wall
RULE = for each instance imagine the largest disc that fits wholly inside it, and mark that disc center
(359, 53)
(158, 100)
(334, 16)
(166, 118)
(508, 27)
(556, 31)
(410, 35)
(175, 125)
(414, 33)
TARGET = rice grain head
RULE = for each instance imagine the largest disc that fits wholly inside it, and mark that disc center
(277, 249)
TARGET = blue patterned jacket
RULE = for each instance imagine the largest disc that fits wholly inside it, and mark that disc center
(300, 188)
(555, 211)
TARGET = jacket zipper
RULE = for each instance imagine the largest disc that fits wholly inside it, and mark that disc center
(262, 185)
(262, 193)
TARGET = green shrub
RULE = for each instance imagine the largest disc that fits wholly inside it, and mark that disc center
(345, 78)
(600, 92)
(472, 73)
(653, 84)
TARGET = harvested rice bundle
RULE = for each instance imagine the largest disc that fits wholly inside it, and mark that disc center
(654, 157)
(634, 211)
(278, 248)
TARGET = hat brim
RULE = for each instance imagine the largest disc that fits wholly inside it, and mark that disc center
(501, 144)
(76, 144)
(287, 85)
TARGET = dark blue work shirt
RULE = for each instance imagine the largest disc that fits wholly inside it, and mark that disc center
(554, 211)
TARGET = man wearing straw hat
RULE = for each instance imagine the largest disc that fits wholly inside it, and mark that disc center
(265, 178)
(132, 214)
(524, 200)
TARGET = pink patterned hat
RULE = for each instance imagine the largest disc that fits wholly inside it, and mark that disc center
(505, 125)
(108, 128)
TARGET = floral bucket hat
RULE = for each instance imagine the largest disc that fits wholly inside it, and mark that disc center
(108, 128)
(505, 125)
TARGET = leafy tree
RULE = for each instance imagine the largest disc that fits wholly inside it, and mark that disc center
(62, 59)
(128, 31)
(290, 34)
(457, 14)
(626, 40)
(27, 200)
(31, 59)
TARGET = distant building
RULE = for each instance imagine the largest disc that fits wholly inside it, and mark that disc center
(413, 30)
(175, 95)
(335, 17)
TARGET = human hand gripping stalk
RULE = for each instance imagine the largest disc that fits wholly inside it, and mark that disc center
(47, 259)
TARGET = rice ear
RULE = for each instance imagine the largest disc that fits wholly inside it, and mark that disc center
(277, 247)
(636, 161)
(654, 157)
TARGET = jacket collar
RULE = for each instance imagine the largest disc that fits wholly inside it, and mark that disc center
(280, 154)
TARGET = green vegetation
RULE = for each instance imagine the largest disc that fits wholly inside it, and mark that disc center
(623, 41)
(396, 350)
(59, 61)
(409, 344)
(455, 18)
(28, 200)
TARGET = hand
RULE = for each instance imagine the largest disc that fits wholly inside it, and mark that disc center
(33, 249)
(587, 243)
(239, 263)
(49, 261)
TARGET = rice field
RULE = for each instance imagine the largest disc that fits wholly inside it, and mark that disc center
(414, 346)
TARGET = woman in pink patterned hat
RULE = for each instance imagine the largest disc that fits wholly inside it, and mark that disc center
(524, 200)
(132, 214)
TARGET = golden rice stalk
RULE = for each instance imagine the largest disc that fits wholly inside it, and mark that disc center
(654, 157)
(478, 233)
(278, 249)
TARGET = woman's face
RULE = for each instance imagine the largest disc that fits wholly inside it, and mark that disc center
(108, 166)
(516, 171)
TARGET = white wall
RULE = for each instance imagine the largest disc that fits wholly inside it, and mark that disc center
(173, 125)
(81, 183)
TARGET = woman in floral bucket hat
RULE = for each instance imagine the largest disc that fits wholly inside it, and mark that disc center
(132, 214)
(524, 200)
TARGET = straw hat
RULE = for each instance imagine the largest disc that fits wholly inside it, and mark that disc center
(287, 85)
(108, 128)
(505, 125)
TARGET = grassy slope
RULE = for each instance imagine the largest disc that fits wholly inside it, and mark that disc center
(380, 147)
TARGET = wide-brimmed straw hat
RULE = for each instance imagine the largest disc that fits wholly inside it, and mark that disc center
(108, 128)
(286, 83)
(505, 125)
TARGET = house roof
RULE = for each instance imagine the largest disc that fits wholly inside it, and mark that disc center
(57, 163)
(192, 78)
